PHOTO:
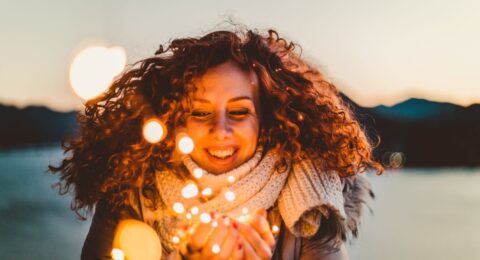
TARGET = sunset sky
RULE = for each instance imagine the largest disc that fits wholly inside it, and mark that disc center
(376, 51)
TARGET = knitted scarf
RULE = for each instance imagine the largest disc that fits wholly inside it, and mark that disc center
(303, 192)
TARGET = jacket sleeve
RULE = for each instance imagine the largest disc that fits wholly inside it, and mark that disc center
(327, 244)
(322, 246)
(98, 243)
(318, 250)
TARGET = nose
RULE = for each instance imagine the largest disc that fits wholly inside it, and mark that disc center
(221, 128)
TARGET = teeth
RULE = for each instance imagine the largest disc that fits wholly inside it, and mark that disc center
(221, 153)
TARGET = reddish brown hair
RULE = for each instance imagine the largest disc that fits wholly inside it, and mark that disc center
(301, 111)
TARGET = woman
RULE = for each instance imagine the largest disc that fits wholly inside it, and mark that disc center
(259, 115)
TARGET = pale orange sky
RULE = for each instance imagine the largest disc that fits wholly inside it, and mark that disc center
(375, 51)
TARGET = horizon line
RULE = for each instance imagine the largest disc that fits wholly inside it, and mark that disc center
(23, 105)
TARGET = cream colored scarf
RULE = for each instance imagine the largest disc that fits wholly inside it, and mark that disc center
(304, 193)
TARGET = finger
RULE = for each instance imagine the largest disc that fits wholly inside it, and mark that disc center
(200, 236)
(219, 234)
(229, 243)
(259, 245)
(238, 250)
(249, 252)
(261, 225)
(261, 212)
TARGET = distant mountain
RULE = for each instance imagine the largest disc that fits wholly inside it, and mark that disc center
(427, 133)
(417, 109)
(33, 125)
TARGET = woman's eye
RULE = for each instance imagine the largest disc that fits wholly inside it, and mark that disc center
(200, 114)
(241, 112)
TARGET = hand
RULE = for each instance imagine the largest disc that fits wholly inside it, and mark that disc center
(256, 236)
(206, 238)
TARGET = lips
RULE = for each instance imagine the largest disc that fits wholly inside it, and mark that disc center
(221, 155)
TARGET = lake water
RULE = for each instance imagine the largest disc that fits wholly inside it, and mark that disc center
(418, 214)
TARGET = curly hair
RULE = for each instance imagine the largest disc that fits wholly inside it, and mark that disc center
(301, 111)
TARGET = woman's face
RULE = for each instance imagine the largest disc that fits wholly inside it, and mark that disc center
(224, 122)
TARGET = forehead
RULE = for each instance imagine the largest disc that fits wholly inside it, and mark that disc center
(226, 81)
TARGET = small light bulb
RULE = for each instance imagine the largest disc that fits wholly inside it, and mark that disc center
(242, 218)
(153, 131)
(175, 239)
(178, 208)
(231, 179)
(118, 254)
(198, 173)
(275, 228)
(190, 190)
(245, 211)
(214, 224)
(207, 191)
(185, 144)
(188, 216)
(194, 210)
(205, 218)
(300, 117)
(230, 195)
(215, 249)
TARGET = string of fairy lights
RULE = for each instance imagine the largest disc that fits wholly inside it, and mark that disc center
(91, 72)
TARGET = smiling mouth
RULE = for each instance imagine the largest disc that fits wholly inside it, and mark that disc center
(222, 154)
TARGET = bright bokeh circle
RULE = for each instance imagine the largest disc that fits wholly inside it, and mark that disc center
(93, 69)
(153, 131)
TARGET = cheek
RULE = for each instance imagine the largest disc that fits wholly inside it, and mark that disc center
(249, 133)
(196, 131)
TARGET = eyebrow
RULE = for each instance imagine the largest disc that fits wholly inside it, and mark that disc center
(201, 100)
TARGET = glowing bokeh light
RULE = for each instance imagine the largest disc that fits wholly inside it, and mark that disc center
(393, 159)
(230, 195)
(194, 210)
(198, 173)
(214, 224)
(231, 179)
(190, 190)
(178, 208)
(188, 216)
(185, 144)
(175, 239)
(207, 191)
(137, 240)
(242, 218)
(397, 159)
(93, 69)
(153, 131)
(245, 211)
(275, 229)
(117, 254)
(215, 249)
(205, 218)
